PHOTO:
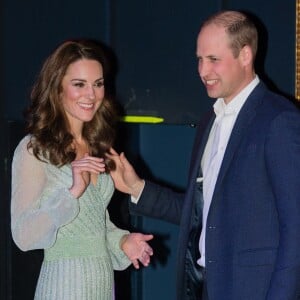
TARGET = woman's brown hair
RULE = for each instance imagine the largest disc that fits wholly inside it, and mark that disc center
(47, 123)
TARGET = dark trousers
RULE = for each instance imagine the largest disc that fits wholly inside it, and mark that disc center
(204, 292)
(204, 285)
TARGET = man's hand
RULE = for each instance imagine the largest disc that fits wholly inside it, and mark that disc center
(124, 176)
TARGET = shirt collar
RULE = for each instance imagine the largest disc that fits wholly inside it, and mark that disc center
(235, 105)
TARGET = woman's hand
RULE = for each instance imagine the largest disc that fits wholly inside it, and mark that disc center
(124, 176)
(81, 171)
(137, 249)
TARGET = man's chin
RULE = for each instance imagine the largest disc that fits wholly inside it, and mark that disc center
(213, 95)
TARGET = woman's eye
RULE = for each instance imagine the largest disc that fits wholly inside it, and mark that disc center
(99, 84)
(79, 84)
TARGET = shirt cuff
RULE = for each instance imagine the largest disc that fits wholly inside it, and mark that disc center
(135, 200)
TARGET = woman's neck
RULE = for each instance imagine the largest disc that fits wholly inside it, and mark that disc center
(81, 147)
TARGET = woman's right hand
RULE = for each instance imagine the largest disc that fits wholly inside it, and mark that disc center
(81, 171)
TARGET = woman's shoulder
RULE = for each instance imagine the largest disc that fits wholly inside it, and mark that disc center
(22, 148)
(23, 143)
(23, 154)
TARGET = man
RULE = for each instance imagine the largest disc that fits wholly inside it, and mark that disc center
(248, 157)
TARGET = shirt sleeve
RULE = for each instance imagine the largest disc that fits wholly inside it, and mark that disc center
(114, 235)
(38, 206)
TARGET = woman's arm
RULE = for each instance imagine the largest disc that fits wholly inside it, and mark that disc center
(38, 207)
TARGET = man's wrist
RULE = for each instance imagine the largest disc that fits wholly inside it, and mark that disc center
(137, 188)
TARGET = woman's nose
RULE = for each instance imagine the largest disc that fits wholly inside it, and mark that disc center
(90, 92)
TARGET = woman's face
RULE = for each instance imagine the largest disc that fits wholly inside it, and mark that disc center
(82, 91)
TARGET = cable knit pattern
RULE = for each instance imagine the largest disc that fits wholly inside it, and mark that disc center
(81, 244)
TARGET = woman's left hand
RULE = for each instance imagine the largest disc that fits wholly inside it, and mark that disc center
(137, 249)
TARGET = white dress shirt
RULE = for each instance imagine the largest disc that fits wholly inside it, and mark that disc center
(226, 116)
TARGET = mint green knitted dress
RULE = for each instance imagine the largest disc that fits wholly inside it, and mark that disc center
(81, 244)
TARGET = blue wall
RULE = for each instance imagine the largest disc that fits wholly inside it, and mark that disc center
(156, 44)
(161, 153)
(165, 150)
(31, 30)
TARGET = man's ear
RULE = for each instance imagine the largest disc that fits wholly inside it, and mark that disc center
(246, 55)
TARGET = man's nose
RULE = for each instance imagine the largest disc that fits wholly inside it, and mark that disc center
(203, 68)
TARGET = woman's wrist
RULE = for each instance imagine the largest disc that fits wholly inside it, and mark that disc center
(123, 240)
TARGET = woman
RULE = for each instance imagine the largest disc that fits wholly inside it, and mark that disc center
(61, 185)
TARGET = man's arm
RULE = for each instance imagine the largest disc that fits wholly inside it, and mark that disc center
(152, 200)
(158, 202)
(283, 164)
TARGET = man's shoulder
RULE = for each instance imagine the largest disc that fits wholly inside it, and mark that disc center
(274, 100)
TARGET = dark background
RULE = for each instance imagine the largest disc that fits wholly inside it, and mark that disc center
(154, 43)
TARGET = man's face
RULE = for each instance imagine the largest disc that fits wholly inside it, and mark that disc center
(223, 75)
